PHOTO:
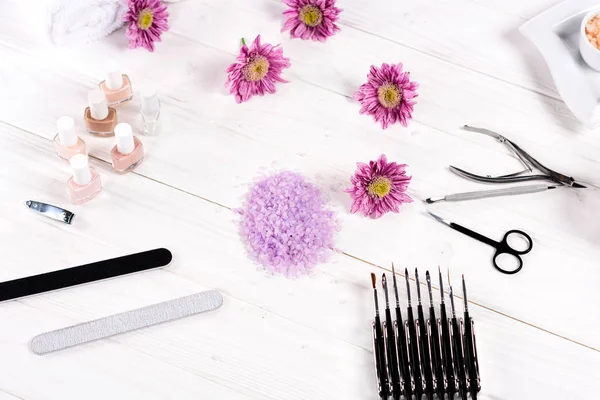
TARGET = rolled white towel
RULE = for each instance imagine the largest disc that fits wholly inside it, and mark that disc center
(76, 22)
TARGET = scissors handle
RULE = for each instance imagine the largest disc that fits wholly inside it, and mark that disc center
(505, 248)
(505, 270)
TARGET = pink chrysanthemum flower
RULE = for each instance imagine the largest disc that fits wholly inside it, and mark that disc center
(379, 187)
(388, 95)
(147, 20)
(311, 19)
(256, 71)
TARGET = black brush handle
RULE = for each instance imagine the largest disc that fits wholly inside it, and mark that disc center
(403, 355)
(425, 356)
(414, 353)
(392, 356)
(470, 357)
(459, 360)
(447, 353)
(96, 271)
(380, 359)
(436, 354)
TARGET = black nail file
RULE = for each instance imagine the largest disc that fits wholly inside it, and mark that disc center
(96, 271)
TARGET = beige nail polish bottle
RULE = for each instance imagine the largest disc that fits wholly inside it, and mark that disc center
(99, 118)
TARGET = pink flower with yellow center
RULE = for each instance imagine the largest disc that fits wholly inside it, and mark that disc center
(388, 95)
(379, 187)
(147, 20)
(256, 70)
(311, 19)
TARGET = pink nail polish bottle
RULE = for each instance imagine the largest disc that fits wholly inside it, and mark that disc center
(66, 141)
(116, 86)
(99, 118)
(128, 153)
(85, 183)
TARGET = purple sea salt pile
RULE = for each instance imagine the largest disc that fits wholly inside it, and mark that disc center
(286, 224)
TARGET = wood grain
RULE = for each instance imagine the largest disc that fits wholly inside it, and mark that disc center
(307, 338)
(269, 340)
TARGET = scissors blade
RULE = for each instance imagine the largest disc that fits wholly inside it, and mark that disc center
(466, 231)
(440, 219)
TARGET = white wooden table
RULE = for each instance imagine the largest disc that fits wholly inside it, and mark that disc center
(307, 338)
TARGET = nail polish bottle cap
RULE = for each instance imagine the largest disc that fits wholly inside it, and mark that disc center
(124, 137)
(82, 175)
(98, 105)
(114, 77)
(66, 131)
(150, 103)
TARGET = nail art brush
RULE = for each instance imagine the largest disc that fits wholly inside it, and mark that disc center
(424, 344)
(402, 347)
(390, 338)
(434, 341)
(457, 349)
(413, 342)
(379, 347)
(452, 386)
(470, 359)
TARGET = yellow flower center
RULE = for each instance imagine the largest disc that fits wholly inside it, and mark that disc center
(311, 15)
(389, 95)
(380, 187)
(145, 18)
(256, 69)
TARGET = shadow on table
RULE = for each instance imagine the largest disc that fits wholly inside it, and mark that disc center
(540, 75)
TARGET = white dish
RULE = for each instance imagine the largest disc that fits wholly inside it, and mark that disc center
(556, 33)
(589, 52)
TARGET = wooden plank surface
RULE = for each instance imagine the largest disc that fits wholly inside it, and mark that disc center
(307, 338)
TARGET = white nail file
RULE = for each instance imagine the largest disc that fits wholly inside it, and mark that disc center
(126, 322)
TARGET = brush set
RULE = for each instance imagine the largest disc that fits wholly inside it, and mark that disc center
(419, 356)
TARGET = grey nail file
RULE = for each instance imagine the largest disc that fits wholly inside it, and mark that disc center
(126, 322)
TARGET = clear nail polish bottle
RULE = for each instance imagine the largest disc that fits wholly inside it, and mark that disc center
(128, 153)
(150, 111)
(66, 141)
(85, 183)
(99, 118)
(116, 86)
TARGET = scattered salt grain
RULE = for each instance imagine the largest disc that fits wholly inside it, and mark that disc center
(286, 224)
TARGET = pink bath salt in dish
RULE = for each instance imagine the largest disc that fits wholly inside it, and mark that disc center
(592, 31)
(286, 224)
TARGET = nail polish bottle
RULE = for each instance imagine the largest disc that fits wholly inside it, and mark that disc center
(128, 153)
(85, 183)
(66, 141)
(116, 86)
(150, 111)
(99, 118)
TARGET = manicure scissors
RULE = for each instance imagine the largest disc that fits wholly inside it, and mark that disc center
(528, 161)
(502, 247)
